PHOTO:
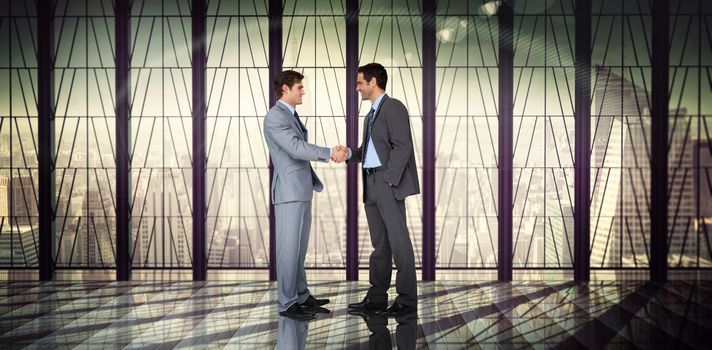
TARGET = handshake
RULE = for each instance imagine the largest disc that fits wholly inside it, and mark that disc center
(339, 153)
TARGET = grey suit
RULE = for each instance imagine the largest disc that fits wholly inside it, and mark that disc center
(292, 190)
(384, 194)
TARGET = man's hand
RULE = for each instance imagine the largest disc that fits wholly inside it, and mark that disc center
(339, 153)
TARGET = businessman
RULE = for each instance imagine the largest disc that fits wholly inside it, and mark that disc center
(292, 189)
(389, 176)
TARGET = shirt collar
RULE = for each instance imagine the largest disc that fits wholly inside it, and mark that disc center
(375, 105)
(291, 109)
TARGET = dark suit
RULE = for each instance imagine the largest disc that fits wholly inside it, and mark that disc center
(384, 194)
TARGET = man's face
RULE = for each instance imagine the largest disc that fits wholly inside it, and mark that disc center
(364, 87)
(294, 95)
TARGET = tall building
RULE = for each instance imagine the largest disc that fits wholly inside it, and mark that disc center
(100, 229)
(702, 157)
(5, 198)
(682, 205)
(247, 251)
(559, 234)
(17, 246)
(145, 234)
(619, 164)
(179, 255)
(4, 149)
(620, 224)
(221, 249)
(159, 231)
(18, 200)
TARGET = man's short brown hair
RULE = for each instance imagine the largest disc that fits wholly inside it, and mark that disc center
(374, 70)
(288, 77)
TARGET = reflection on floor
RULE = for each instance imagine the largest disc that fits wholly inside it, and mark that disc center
(450, 315)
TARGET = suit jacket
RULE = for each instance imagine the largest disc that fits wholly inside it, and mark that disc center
(394, 144)
(287, 139)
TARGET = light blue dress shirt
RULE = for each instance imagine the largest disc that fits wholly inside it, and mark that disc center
(291, 109)
(372, 160)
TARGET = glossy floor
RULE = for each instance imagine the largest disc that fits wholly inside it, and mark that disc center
(450, 315)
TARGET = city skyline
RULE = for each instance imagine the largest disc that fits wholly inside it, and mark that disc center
(466, 110)
(100, 207)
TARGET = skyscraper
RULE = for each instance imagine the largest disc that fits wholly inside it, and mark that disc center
(4, 197)
(619, 172)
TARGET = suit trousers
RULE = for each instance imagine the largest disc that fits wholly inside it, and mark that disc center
(391, 243)
(293, 222)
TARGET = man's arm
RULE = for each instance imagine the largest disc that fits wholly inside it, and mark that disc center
(284, 136)
(354, 155)
(398, 123)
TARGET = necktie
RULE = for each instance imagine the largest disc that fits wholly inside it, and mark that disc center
(369, 128)
(299, 121)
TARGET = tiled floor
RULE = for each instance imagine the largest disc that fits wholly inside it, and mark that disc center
(451, 315)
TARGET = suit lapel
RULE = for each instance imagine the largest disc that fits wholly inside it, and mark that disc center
(365, 128)
(375, 116)
(301, 129)
(380, 107)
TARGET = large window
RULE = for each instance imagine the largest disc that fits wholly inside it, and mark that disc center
(161, 129)
(620, 134)
(390, 34)
(690, 129)
(237, 183)
(85, 166)
(18, 135)
(543, 175)
(314, 44)
(467, 96)
(467, 35)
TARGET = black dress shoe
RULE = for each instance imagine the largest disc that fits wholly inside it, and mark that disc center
(397, 310)
(312, 301)
(368, 305)
(297, 312)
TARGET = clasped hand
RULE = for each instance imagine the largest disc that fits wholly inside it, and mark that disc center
(339, 153)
